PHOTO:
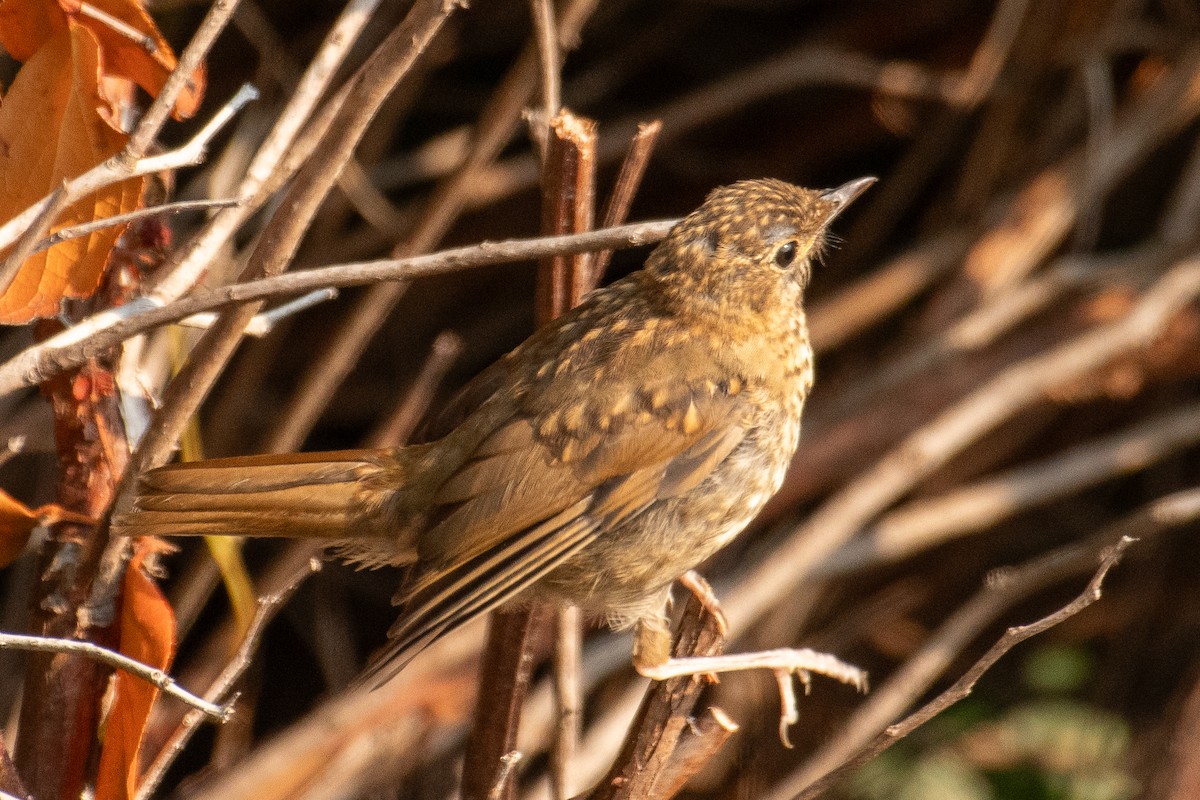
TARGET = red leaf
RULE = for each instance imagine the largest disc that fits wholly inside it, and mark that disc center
(148, 635)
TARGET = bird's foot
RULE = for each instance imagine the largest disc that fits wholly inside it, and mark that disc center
(695, 583)
(785, 662)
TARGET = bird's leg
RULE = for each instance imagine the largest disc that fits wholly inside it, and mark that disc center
(652, 659)
(695, 583)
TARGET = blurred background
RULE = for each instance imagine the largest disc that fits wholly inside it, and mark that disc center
(1008, 359)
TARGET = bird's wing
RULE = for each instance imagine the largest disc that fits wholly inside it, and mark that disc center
(539, 489)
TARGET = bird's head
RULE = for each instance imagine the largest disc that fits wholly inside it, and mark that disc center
(751, 243)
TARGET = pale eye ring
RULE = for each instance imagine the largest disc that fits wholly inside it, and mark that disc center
(786, 254)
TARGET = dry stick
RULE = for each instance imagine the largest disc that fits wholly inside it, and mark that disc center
(156, 677)
(276, 159)
(139, 317)
(494, 129)
(276, 56)
(925, 523)
(399, 426)
(547, 39)
(143, 40)
(179, 79)
(264, 323)
(268, 606)
(923, 451)
(629, 178)
(665, 747)
(567, 203)
(1007, 587)
(503, 680)
(568, 206)
(389, 63)
(75, 231)
(106, 174)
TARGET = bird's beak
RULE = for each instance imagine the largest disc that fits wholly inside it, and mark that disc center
(845, 194)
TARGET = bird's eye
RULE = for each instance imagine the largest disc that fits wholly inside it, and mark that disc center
(786, 254)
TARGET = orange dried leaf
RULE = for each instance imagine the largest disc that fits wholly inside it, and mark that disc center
(56, 92)
(26, 25)
(148, 635)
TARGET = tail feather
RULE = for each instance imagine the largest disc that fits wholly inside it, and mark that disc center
(327, 496)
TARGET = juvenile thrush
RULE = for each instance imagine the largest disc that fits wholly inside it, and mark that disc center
(603, 458)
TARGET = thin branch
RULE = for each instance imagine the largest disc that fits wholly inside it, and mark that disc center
(75, 231)
(650, 761)
(542, 12)
(954, 634)
(189, 61)
(264, 323)
(268, 607)
(390, 63)
(270, 166)
(73, 347)
(629, 178)
(568, 697)
(142, 40)
(504, 677)
(42, 644)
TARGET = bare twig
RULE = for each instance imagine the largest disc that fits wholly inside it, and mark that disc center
(108, 173)
(43, 644)
(390, 62)
(268, 607)
(75, 231)
(629, 178)
(142, 40)
(568, 697)
(505, 672)
(269, 167)
(547, 40)
(185, 68)
(852, 750)
(37, 363)
(264, 323)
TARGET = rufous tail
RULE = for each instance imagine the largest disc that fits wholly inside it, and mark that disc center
(346, 495)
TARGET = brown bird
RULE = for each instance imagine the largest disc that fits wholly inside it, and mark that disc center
(618, 447)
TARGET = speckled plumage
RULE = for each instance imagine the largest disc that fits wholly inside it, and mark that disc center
(615, 449)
